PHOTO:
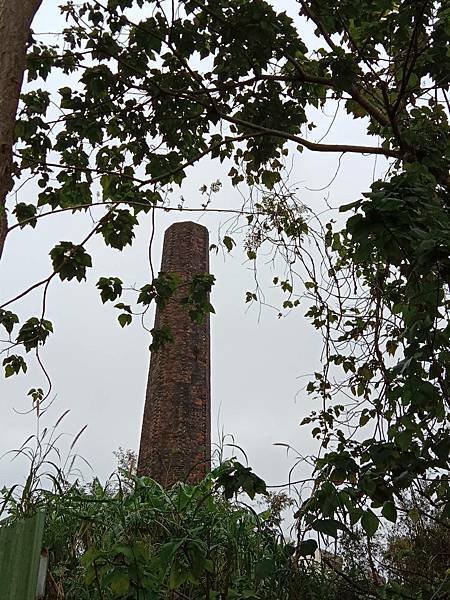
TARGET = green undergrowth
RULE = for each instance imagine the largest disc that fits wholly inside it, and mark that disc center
(221, 539)
(132, 539)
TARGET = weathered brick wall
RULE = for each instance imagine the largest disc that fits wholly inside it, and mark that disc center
(176, 429)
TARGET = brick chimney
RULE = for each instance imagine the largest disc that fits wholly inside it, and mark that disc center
(176, 429)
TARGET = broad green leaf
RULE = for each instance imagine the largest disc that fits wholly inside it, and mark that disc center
(389, 511)
(369, 522)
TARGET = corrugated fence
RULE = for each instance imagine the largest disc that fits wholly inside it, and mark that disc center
(20, 555)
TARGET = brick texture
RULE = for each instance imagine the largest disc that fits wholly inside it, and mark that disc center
(176, 428)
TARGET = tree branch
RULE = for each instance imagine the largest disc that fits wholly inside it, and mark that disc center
(47, 280)
(233, 211)
(315, 147)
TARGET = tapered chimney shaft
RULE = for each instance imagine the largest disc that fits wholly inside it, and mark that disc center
(176, 429)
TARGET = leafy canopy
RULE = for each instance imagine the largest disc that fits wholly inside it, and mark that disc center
(155, 87)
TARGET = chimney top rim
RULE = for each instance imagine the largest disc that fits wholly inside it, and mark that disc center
(186, 224)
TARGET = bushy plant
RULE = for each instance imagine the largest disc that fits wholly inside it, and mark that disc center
(132, 539)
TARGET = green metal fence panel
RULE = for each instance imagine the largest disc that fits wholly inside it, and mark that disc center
(20, 552)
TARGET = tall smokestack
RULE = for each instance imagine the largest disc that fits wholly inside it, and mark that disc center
(176, 428)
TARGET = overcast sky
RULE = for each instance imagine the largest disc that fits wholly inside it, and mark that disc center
(99, 371)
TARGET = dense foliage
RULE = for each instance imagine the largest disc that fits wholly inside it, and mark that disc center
(155, 89)
(131, 539)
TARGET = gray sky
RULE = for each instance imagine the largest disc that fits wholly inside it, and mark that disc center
(99, 371)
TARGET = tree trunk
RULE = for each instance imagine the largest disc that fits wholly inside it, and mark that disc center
(15, 20)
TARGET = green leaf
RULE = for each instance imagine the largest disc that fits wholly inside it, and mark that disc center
(118, 228)
(328, 526)
(229, 243)
(389, 511)
(364, 419)
(178, 575)
(161, 337)
(168, 551)
(414, 515)
(370, 522)
(264, 568)
(163, 288)
(34, 332)
(110, 288)
(125, 319)
(70, 261)
(25, 214)
(270, 178)
(404, 439)
(350, 206)
(286, 286)
(14, 364)
(8, 319)
(355, 109)
(197, 300)
(307, 547)
(234, 477)
(36, 394)
(119, 583)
